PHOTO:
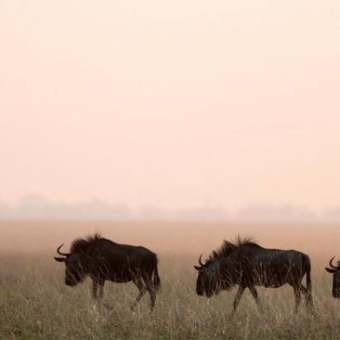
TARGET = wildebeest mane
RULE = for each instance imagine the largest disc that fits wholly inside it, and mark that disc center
(228, 247)
(81, 245)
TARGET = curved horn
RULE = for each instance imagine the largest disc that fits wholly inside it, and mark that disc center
(60, 253)
(200, 261)
(330, 263)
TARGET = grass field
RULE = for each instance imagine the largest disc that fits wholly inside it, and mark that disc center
(35, 303)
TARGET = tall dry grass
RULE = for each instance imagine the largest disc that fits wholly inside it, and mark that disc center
(35, 304)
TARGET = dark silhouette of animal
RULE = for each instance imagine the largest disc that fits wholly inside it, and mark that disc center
(246, 264)
(335, 270)
(102, 260)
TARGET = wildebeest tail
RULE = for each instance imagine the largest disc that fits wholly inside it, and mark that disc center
(156, 279)
(307, 267)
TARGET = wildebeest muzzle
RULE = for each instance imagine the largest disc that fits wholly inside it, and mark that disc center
(71, 281)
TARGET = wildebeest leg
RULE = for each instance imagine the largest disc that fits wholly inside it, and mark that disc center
(151, 289)
(253, 292)
(142, 289)
(238, 297)
(101, 289)
(308, 296)
(97, 285)
(297, 292)
(94, 288)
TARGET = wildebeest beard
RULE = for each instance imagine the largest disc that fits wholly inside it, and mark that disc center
(336, 285)
(75, 271)
(229, 274)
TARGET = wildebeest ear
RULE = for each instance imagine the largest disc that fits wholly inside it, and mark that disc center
(60, 259)
(197, 268)
(332, 271)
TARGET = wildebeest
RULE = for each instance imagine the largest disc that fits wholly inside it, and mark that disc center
(246, 264)
(335, 270)
(102, 260)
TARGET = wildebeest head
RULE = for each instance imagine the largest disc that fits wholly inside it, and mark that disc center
(335, 270)
(216, 275)
(75, 267)
(208, 280)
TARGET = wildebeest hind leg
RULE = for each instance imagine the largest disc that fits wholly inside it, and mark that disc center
(297, 293)
(142, 289)
(151, 289)
(308, 296)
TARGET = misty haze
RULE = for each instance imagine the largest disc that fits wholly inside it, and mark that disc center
(170, 126)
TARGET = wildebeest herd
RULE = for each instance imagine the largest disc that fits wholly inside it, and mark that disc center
(243, 263)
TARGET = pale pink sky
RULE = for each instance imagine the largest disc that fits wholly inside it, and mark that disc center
(171, 103)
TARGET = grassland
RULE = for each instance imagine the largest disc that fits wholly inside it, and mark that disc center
(35, 303)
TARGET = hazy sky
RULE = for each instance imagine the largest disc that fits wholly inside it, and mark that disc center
(171, 103)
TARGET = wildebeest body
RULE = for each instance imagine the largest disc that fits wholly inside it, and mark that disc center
(247, 264)
(272, 267)
(120, 262)
(102, 260)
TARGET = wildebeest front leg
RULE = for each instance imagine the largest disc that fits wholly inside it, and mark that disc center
(238, 297)
(97, 285)
(101, 289)
(253, 292)
(142, 289)
(94, 288)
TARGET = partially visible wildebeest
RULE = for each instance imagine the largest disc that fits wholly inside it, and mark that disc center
(102, 260)
(246, 264)
(335, 270)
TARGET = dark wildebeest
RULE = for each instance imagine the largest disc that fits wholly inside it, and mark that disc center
(102, 259)
(335, 270)
(246, 264)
